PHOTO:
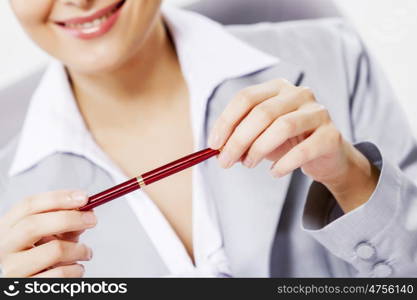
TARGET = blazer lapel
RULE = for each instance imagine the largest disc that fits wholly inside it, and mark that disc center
(248, 202)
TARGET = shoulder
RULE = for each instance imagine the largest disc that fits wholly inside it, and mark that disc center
(14, 100)
(328, 50)
(7, 153)
(329, 38)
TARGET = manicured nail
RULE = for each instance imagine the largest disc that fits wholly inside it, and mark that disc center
(89, 218)
(90, 253)
(274, 171)
(214, 141)
(248, 162)
(79, 197)
(225, 160)
(275, 174)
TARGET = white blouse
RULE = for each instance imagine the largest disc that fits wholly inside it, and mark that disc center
(208, 56)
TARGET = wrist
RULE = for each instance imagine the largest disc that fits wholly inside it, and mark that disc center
(356, 183)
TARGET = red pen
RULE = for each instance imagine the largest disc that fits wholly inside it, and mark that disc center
(148, 178)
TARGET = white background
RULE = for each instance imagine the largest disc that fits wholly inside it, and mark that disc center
(389, 27)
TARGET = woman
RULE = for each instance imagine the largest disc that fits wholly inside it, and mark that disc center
(132, 88)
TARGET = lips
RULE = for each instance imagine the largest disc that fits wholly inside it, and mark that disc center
(94, 25)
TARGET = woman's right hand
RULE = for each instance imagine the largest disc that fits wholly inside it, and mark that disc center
(39, 236)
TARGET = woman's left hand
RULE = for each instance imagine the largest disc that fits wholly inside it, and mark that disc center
(285, 124)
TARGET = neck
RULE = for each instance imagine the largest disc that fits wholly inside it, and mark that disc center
(150, 70)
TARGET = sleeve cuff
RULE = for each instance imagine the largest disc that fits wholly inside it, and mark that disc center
(342, 233)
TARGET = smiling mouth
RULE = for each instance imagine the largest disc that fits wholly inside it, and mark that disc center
(94, 23)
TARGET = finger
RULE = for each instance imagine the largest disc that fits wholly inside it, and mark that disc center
(71, 236)
(71, 271)
(46, 239)
(279, 152)
(260, 117)
(282, 129)
(37, 259)
(50, 201)
(240, 106)
(67, 236)
(31, 229)
(321, 142)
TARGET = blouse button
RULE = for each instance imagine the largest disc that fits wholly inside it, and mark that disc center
(365, 251)
(382, 270)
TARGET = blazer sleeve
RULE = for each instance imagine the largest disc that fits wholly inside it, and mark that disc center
(379, 239)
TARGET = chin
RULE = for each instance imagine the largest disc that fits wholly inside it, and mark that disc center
(104, 60)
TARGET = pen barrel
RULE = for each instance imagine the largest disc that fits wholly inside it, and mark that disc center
(111, 194)
(148, 178)
(178, 165)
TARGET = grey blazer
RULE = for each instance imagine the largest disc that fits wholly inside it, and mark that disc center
(289, 227)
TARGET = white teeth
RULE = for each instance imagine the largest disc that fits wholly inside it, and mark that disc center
(90, 30)
(97, 22)
(92, 26)
(88, 25)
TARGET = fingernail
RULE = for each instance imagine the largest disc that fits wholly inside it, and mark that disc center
(248, 162)
(89, 218)
(274, 171)
(90, 253)
(225, 160)
(79, 197)
(275, 175)
(214, 141)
